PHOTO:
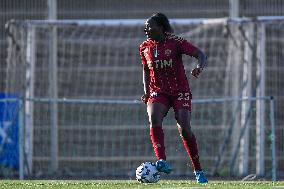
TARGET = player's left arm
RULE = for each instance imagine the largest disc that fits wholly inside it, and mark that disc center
(202, 62)
(191, 50)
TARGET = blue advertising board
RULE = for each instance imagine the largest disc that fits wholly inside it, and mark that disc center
(9, 131)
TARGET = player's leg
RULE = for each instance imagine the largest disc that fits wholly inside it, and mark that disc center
(189, 141)
(182, 108)
(188, 137)
(157, 109)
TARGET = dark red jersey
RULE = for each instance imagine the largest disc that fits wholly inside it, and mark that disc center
(164, 60)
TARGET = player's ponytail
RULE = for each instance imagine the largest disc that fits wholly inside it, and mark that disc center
(163, 21)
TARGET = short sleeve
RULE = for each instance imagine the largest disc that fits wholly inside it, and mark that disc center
(141, 51)
(186, 47)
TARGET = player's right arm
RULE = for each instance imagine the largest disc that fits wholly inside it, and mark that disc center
(146, 83)
(146, 76)
(146, 80)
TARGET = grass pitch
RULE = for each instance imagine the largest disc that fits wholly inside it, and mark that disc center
(131, 184)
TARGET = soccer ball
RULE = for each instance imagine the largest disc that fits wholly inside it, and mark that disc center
(147, 173)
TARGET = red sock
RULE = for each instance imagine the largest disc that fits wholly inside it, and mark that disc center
(192, 150)
(157, 138)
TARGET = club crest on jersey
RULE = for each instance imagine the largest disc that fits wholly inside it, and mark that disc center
(168, 52)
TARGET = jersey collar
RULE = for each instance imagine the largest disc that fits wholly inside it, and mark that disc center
(155, 42)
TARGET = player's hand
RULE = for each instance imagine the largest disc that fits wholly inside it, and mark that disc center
(145, 98)
(196, 71)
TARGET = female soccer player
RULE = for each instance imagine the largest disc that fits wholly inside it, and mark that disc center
(166, 86)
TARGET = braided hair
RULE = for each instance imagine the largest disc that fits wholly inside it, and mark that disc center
(163, 21)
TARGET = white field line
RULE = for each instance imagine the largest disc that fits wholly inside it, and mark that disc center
(193, 187)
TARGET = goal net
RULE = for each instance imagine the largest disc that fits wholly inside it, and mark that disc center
(81, 82)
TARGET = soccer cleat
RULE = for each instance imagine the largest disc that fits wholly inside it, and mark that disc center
(163, 166)
(200, 177)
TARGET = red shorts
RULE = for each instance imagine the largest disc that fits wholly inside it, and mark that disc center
(181, 101)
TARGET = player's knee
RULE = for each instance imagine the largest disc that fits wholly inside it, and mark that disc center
(183, 121)
(155, 120)
(185, 130)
